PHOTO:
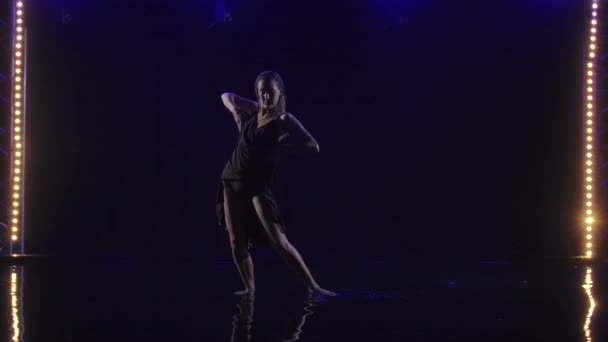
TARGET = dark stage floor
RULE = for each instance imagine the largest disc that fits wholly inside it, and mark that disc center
(382, 299)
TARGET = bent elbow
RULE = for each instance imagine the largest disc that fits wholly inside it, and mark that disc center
(226, 96)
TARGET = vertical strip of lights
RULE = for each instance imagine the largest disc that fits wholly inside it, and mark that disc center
(589, 129)
(17, 128)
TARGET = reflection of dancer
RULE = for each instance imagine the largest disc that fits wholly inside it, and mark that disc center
(246, 205)
(242, 321)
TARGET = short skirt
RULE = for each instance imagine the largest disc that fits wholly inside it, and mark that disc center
(256, 234)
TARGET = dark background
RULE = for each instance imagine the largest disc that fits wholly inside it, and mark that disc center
(446, 128)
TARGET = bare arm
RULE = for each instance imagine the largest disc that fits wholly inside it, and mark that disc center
(294, 127)
(238, 105)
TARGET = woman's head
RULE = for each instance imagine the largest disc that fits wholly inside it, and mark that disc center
(270, 91)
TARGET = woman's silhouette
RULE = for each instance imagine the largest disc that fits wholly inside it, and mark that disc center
(246, 204)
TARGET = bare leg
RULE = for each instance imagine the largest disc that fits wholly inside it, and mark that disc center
(234, 209)
(287, 251)
(293, 258)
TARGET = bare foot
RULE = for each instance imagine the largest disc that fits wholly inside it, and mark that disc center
(319, 290)
(246, 292)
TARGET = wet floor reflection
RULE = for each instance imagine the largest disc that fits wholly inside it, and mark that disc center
(392, 301)
(243, 320)
(16, 303)
(588, 286)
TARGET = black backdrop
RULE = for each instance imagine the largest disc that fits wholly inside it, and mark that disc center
(444, 129)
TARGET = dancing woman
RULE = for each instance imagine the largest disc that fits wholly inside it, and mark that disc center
(246, 204)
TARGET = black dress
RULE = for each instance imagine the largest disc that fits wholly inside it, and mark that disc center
(251, 171)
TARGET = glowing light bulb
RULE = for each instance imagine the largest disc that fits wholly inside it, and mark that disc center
(589, 220)
(589, 245)
(589, 236)
(589, 228)
(14, 237)
(15, 229)
(589, 196)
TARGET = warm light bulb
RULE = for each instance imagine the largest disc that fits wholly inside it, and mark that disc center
(589, 236)
(589, 220)
(14, 237)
